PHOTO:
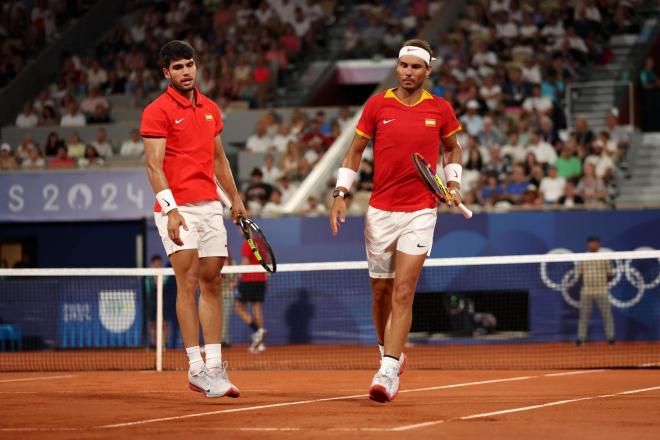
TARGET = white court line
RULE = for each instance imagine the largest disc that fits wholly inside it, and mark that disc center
(521, 409)
(37, 378)
(650, 364)
(572, 373)
(302, 402)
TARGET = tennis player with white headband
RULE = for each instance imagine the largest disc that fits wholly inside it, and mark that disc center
(402, 212)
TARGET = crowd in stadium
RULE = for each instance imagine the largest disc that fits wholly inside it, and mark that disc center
(504, 68)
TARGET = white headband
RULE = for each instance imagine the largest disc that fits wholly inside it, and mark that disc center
(416, 52)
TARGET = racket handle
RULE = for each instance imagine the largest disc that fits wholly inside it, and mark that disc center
(224, 198)
(464, 210)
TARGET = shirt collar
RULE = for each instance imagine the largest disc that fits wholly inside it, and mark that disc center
(425, 95)
(183, 101)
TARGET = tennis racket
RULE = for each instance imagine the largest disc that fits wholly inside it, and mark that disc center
(254, 236)
(434, 183)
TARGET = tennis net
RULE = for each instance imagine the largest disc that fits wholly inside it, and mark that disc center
(515, 312)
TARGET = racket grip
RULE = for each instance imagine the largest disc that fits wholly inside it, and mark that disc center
(224, 198)
(464, 210)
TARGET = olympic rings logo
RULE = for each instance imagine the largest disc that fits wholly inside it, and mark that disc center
(620, 269)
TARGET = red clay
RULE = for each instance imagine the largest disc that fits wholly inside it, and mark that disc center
(286, 404)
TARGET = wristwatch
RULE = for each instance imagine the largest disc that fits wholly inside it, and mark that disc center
(338, 193)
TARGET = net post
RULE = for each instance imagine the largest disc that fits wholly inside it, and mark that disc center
(159, 322)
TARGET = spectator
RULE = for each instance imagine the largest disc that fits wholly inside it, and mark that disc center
(591, 187)
(491, 92)
(515, 89)
(33, 161)
(21, 151)
(472, 120)
(273, 208)
(101, 144)
(53, 142)
(544, 152)
(292, 164)
(516, 185)
(7, 160)
(93, 100)
(314, 136)
(62, 159)
(283, 137)
(513, 149)
(497, 165)
(538, 104)
(647, 76)
(472, 171)
(73, 117)
(491, 192)
(133, 147)
(583, 135)
(259, 142)
(91, 158)
(74, 147)
(313, 208)
(490, 136)
(258, 192)
(97, 76)
(269, 170)
(48, 117)
(344, 117)
(552, 186)
(599, 159)
(618, 134)
(548, 132)
(100, 115)
(570, 198)
(287, 188)
(568, 165)
(28, 117)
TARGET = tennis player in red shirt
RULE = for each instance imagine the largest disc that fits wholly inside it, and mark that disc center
(402, 212)
(184, 156)
(252, 292)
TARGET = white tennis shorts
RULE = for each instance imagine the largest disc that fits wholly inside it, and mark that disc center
(386, 232)
(206, 230)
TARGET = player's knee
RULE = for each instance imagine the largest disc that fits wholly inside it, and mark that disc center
(403, 295)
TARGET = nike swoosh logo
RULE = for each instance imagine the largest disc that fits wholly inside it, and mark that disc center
(455, 173)
(420, 245)
(168, 203)
(178, 121)
(387, 121)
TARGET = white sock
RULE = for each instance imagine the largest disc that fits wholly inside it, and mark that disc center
(381, 348)
(213, 355)
(195, 359)
(389, 362)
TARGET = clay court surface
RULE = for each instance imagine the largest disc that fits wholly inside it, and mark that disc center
(602, 404)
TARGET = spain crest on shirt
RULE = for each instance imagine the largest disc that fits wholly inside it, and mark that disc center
(209, 116)
(429, 122)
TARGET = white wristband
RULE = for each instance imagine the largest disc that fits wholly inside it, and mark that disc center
(345, 178)
(166, 200)
(453, 172)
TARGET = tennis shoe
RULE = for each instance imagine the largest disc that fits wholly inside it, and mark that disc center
(403, 363)
(385, 386)
(257, 339)
(258, 349)
(213, 383)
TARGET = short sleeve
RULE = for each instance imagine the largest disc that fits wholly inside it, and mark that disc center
(154, 122)
(450, 124)
(365, 126)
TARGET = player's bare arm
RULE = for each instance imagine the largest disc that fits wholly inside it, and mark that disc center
(351, 161)
(453, 155)
(154, 152)
(226, 178)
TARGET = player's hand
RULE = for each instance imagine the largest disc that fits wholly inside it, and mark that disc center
(175, 221)
(337, 214)
(455, 191)
(237, 210)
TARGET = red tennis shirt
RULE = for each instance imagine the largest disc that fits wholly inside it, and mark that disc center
(399, 130)
(190, 133)
(256, 276)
